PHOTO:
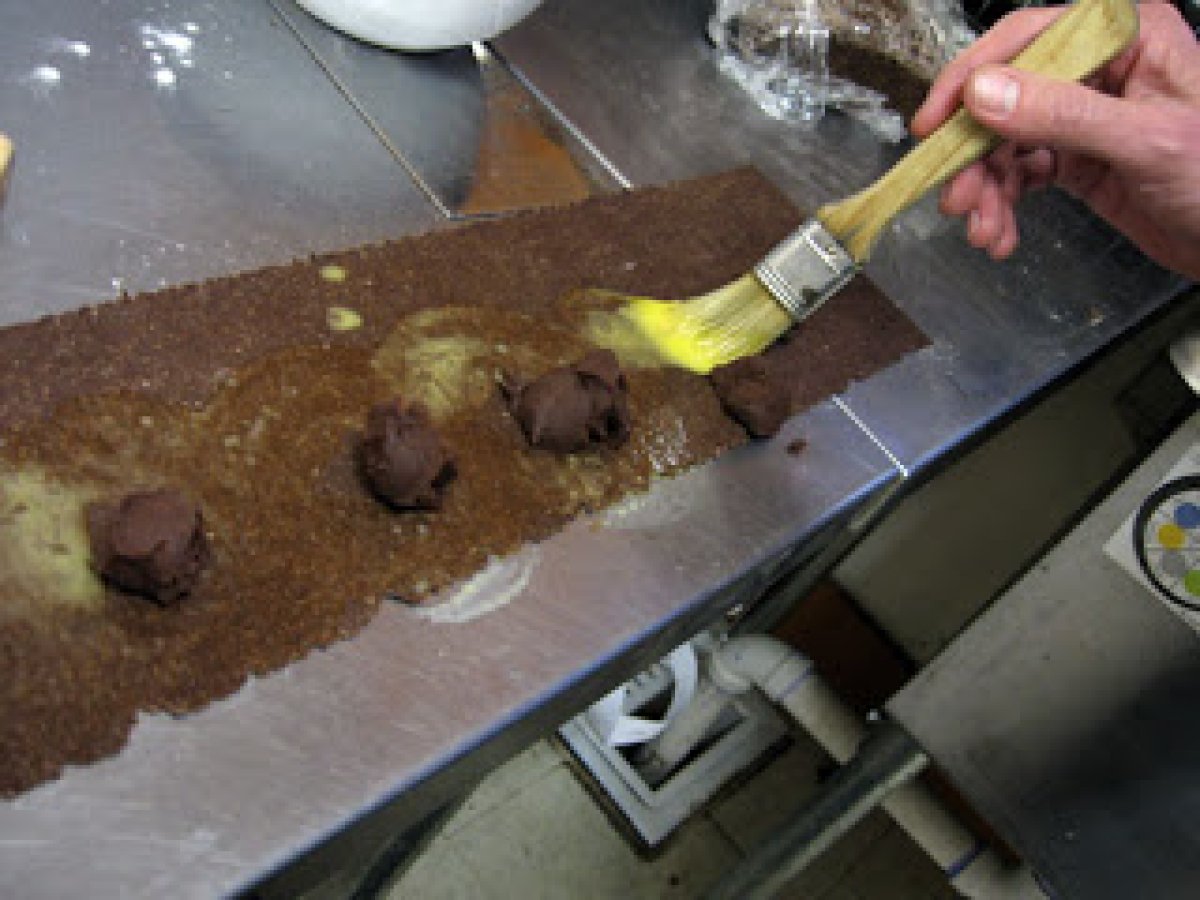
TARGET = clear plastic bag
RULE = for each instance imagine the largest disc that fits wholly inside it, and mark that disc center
(871, 59)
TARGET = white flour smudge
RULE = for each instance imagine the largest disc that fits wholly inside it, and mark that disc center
(42, 79)
(168, 48)
(500, 582)
(70, 48)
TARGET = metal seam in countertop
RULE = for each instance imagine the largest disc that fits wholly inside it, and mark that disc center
(570, 126)
(357, 106)
(878, 442)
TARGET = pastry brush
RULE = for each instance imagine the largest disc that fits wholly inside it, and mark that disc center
(812, 264)
(5, 157)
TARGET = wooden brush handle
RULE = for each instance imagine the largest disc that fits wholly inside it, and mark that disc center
(1079, 42)
(5, 156)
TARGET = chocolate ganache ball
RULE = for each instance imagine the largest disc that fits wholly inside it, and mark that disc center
(402, 458)
(573, 408)
(150, 543)
(753, 393)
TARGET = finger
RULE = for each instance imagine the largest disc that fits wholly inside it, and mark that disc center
(1006, 244)
(1040, 167)
(961, 194)
(946, 196)
(1005, 168)
(1080, 176)
(1022, 170)
(1001, 43)
(1031, 109)
(986, 221)
(1013, 181)
(1162, 56)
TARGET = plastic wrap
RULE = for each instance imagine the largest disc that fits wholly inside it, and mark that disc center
(871, 59)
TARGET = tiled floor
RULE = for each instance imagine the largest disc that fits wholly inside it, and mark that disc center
(532, 831)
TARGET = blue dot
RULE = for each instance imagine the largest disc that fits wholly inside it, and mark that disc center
(1187, 515)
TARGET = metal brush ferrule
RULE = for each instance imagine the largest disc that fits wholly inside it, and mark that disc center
(805, 269)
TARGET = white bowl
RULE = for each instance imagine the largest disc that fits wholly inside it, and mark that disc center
(421, 24)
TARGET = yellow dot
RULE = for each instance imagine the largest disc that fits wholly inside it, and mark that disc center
(1171, 536)
(342, 318)
(333, 273)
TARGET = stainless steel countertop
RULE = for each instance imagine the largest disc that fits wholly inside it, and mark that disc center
(266, 138)
(254, 155)
(166, 142)
(999, 332)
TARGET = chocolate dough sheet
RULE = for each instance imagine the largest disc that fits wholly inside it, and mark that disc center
(248, 393)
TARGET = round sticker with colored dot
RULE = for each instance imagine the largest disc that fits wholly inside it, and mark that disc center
(1174, 564)
(1191, 582)
(1171, 536)
(1166, 540)
(1187, 515)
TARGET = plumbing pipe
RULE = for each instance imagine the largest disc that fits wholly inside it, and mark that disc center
(889, 757)
(790, 680)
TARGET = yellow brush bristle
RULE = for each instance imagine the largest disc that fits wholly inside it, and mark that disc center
(739, 319)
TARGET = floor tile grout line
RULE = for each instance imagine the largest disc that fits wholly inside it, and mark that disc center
(460, 823)
(866, 852)
(725, 835)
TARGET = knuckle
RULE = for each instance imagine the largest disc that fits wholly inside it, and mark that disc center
(1065, 112)
(1157, 57)
(1172, 141)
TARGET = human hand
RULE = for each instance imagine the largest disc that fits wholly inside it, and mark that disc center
(1127, 143)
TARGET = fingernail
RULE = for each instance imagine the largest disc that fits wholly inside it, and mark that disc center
(995, 92)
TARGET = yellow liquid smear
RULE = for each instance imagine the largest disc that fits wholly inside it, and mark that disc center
(43, 542)
(450, 358)
(343, 318)
(699, 334)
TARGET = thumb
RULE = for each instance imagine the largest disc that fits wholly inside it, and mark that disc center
(1029, 108)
